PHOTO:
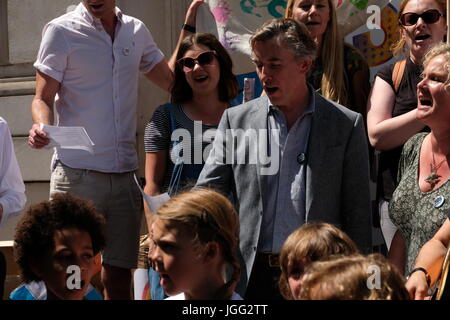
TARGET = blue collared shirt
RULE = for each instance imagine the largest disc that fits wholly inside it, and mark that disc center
(284, 192)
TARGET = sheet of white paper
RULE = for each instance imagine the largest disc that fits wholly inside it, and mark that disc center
(141, 284)
(68, 138)
(154, 203)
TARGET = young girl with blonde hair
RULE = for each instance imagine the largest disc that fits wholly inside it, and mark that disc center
(195, 237)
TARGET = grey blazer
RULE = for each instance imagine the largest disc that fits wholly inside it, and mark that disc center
(337, 174)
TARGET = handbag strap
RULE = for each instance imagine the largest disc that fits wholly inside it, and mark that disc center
(178, 166)
(173, 123)
(397, 74)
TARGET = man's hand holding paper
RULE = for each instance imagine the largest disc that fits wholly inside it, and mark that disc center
(37, 138)
(67, 138)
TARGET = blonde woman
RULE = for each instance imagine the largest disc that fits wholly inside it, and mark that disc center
(421, 200)
(195, 237)
(391, 118)
(339, 73)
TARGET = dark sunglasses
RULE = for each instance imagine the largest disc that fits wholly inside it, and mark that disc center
(429, 17)
(203, 59)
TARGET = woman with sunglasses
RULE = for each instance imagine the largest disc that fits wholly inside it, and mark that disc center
(391, 118)
(204, 85)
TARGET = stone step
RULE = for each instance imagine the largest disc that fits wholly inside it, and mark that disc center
(16, 110)
(17, 86)
(17, 70)
(19, 79)
(34, 164)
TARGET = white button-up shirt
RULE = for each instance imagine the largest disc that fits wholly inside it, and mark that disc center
(99, 84)
(12, 188)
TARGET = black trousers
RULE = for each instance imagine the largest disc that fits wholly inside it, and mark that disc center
(263, 282)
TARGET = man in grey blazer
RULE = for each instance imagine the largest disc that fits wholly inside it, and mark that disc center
(288, 157)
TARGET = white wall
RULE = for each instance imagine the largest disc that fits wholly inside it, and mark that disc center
(26, 18)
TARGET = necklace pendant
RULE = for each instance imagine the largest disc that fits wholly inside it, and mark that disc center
(432, 179)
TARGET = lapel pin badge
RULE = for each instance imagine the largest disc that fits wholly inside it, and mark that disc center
(301, 158)
(439, 201)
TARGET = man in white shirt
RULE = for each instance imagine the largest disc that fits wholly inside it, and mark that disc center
(89, 60)
(12, 188)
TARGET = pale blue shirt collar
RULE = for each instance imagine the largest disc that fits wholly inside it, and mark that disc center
(311, 108)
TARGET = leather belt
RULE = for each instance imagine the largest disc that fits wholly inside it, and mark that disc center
(268, 258)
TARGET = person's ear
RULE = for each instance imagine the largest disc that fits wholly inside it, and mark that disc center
(212, 250)
(305, 65)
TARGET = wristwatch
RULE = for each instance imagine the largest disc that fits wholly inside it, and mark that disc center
(427, 276)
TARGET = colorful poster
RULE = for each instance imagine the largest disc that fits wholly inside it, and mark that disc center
(369, 25)
(375, 44)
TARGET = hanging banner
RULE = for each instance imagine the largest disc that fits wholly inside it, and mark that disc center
(369, 25)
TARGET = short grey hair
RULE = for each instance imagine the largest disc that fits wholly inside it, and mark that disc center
(290, 34)
(440, 49)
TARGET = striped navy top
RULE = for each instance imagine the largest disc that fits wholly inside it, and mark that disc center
(195, 139)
